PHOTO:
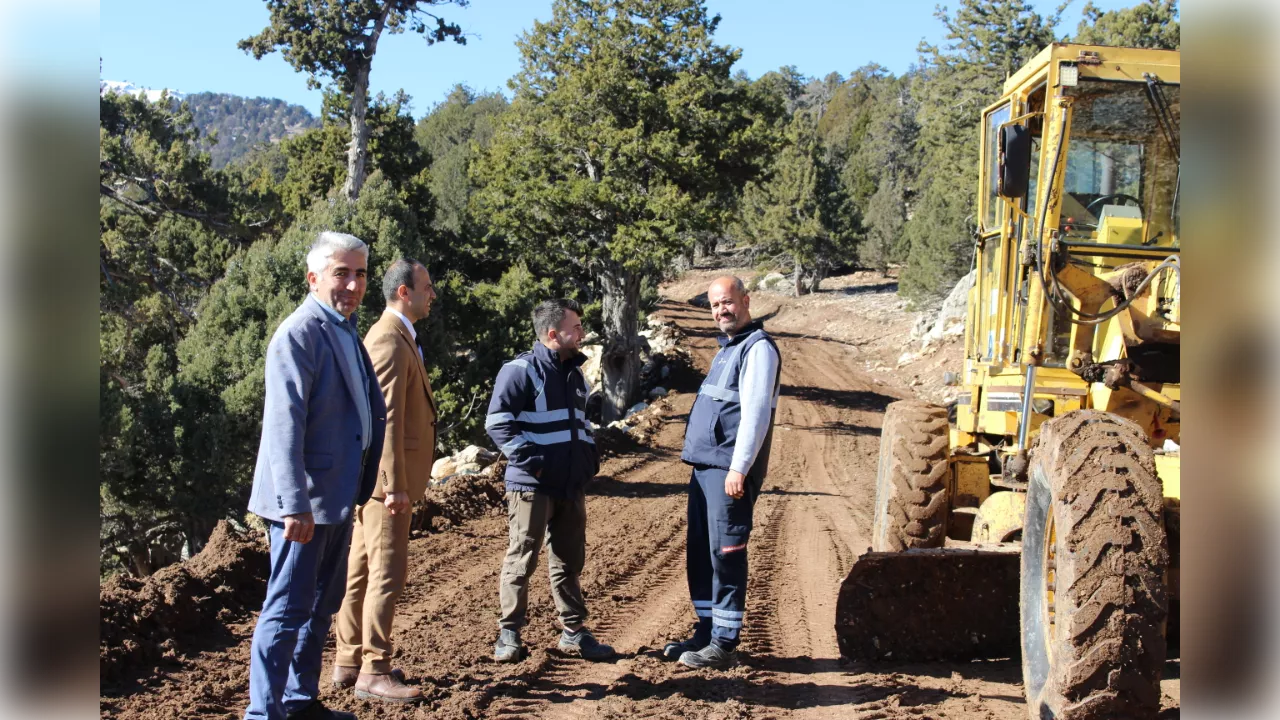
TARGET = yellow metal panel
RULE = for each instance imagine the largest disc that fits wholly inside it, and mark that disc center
(1000, 517)
(1120, 231)
(1114, 64)
(972, 480)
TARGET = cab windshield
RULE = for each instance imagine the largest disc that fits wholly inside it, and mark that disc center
(1122, 160)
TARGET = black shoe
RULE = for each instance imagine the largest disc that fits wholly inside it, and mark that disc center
(711, 656)
(508, 647)
(584, 645)
(673, 650)
(317, 711)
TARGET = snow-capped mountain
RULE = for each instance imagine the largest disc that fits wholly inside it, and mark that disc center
(128, 88)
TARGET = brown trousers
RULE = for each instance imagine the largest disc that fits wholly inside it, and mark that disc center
(376, 570)
(563, 522)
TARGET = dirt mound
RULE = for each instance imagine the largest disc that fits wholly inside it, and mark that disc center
(461, 498)
(143, 622)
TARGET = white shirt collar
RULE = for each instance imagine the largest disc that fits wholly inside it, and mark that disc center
(412, 333)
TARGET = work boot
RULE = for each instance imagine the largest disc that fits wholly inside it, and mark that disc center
(317, 711)
(387, 688)
(344, 678)
(583, 644)
(507, 650)
(712, 656)
(673, 650)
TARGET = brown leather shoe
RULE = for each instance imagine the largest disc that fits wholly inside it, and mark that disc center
(388, 688)
(345, 678)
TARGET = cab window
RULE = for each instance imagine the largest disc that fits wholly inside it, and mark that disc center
(990, 134)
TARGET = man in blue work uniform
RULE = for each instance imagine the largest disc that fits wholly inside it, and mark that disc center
(727, 442)
(537, 417)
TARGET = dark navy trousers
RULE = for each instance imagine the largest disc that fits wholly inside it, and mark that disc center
(306, 588)
(716, 559)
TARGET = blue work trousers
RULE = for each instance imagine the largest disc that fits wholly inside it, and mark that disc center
(716, 561)
(304, 591)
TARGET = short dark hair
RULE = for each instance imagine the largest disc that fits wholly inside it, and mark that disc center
(399, 273)
(550, 313)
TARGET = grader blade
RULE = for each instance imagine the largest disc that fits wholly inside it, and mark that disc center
(950, 603)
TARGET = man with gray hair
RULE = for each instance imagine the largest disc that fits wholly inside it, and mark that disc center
(322, 428)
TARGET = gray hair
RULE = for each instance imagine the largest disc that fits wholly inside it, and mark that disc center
(400, 273)
(327, 243)
(550, 313)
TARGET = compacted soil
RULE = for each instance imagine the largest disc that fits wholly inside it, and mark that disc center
(811, 524)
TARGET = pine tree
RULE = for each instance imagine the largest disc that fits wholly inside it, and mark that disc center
(800, 212)
(1149, 24)
(337, 39)
(627, 136)
(168, 223)
(987, 40)
(891, 150)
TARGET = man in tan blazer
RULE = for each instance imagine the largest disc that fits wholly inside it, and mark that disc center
(380, 537)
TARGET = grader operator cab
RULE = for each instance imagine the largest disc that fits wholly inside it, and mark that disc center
(1038, 514)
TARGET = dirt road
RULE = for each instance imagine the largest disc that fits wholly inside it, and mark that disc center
(810, 524)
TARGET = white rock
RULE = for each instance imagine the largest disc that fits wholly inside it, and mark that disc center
(620, 425)
(951, 316)
(1170, 446)
(591, 369)
(474, 454)
(638, 407)
(772, 281)
(443, 467)
(657, 393)
(469, 469)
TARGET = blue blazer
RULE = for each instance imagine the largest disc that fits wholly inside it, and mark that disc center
(311, 458)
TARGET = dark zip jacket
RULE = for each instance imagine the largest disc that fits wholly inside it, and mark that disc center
(537, 418)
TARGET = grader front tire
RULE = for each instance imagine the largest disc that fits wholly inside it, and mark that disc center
(1093, 597)
(911, 480)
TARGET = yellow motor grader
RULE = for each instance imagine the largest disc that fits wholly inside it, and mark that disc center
(1038, 514)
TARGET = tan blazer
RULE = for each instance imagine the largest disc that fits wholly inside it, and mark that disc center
(409, 447)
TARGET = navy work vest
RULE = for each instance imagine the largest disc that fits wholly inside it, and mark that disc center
(717, 411)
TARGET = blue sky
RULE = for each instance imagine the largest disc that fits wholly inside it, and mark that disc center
(191, 47)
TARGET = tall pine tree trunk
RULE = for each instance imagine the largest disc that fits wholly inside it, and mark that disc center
(358, 150)
(798, 287)
(620, 363)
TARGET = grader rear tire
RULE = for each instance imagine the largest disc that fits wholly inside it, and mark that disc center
(1093, 599)
(911, 479)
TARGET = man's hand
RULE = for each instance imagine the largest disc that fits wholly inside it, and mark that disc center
(397, 502)
(299, 528)
(735, 484)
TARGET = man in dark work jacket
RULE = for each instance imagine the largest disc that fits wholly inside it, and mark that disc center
(537, 419)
